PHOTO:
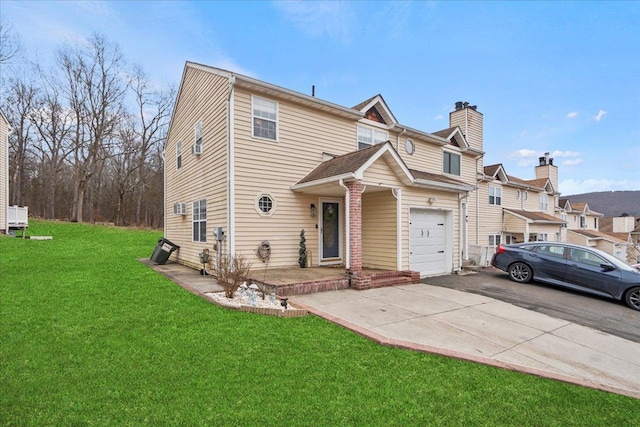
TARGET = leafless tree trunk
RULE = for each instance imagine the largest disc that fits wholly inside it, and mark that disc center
(96, 90)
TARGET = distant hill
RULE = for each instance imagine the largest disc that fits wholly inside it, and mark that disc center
(610, 203)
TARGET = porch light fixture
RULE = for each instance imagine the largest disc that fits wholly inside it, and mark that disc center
(313, 210)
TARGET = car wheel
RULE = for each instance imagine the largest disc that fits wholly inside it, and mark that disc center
(632, 298)
(520, 272)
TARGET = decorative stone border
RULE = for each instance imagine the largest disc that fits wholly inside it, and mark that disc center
(277, 312)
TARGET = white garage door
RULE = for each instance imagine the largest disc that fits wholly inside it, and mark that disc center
(427, 241)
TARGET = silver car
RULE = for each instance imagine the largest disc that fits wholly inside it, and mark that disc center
(570, 266)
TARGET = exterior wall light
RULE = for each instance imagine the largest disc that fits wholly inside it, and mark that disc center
(313, 210)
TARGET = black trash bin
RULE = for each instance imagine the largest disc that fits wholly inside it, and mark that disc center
(163, 251)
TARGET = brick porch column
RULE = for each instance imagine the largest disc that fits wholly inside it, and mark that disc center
(355, 225)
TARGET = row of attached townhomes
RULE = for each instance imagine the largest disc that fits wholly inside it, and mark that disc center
(249, 165)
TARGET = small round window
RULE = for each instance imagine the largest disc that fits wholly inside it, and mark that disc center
(265, 204)
(410, 146)
(517, 194)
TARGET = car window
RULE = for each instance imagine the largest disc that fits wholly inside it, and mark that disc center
(550, 250)
(578, 255)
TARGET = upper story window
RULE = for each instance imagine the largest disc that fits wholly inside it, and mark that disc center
(369, 136)
(265, 204)
(197, 139)
(544, 202)
(451, 163)
(200, 220)
(265, 118)
(595, 223)
(517, 194)
(179, 155)
(583, 221)
(495, 195)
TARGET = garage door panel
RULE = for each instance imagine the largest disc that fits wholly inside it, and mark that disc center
(428, 236)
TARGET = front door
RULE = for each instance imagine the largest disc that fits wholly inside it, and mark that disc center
(330, 232)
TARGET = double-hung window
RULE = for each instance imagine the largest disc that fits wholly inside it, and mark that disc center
(494, 239)
(200, 220)
(197, 138)
(368, 136)
(583, 221)
(179, 155)
(265, 118)
(495, 195)
(451, 163)
(544, 202)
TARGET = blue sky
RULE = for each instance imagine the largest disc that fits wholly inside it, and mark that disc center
(558, 77)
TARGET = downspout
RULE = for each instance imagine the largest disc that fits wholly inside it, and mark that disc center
(478, 206)
(231, 170)
(164, 193)
(6, 182)
(397, 193)
(398, 139)
(347, 225)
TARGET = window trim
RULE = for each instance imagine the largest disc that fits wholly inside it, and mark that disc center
(410, 146)
(495, 236)
(276, 121)
(544, 202)
(179, 155)
(374, 140)
(257, 204)
(451, 154)
(201, 220)
(496, 198)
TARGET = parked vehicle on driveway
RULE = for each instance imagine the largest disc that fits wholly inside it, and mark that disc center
(570, 266)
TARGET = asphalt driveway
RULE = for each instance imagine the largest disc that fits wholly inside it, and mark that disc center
(602, 314)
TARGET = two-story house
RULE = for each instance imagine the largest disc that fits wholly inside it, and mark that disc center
(514, 210)
(249, 164)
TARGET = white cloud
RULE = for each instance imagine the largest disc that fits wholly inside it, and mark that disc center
(438, 117)
(573, 162)
(558, 153)
(572, 115)
(571, 186)
(524, 152)
(600, 115)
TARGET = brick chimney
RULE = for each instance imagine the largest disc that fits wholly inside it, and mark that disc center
(469, 120)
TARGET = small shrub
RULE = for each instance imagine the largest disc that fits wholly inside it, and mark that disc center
(302, 259)
(231, 271)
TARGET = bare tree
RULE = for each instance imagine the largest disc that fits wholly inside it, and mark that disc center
(10, 44)
(53, 122)
(153, 113)
(21, 95)
(95, 88)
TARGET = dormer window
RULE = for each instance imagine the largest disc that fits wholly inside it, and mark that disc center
(369, 136)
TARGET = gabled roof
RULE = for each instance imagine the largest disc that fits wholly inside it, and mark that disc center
(536, 217)
(597, 235)
(496, 172)
(377, 102)
(583, 208)
(352, 166)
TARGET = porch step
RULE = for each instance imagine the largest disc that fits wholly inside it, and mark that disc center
(384, 279)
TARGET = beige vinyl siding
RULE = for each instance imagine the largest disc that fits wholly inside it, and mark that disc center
(470, 123)
(203, 97)
(447, 202)
(264, 166)
(489, 216)
(427, 156)
(4, 173)
(379, 173)
(379, 225)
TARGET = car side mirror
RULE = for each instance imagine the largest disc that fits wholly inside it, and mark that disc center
(607, 267)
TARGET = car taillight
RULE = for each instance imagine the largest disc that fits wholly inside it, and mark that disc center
(500, 249)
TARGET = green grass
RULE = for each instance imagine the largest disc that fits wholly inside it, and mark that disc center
(90, 336)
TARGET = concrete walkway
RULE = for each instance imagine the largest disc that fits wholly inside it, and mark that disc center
(467, 326)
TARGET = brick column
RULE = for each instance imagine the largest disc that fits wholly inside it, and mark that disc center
(355, 225)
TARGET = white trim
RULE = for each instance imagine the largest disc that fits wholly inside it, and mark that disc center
(397, 193)
(257, 204)
(449, 237)
(341, 235)
(231, 169)
(277, 119)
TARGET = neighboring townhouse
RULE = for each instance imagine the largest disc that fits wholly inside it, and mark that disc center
(579, 216)
(249, 164)
(12, 218)
(625, 229)
(514, 210)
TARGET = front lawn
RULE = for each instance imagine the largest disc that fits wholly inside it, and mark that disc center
(90, 336)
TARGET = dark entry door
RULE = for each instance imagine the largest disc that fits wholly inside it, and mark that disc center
(330, 230)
